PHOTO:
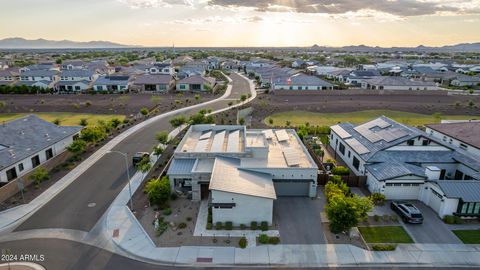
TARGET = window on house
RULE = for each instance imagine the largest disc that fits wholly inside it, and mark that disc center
(458, 175)
(11, 174)
(425, 142)
(410, 142)
(341, 148)
(20, 167)
(348, 153)
(223, 205)
(35, 161)
(356, 162)
(49, 153)
(463, 146)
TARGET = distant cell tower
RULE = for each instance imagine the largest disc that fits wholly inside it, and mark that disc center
(173, 48)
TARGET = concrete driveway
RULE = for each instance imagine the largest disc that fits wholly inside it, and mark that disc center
(298, 220)
(433, 230)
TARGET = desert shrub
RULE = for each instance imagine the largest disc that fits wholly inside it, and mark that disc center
(242, 243)
(377, 198)
(189, 218)
(228, 225)
(83, 122)
(450, 219)
(39, 175)
(384, 247)
(182, 225)
(274, 240)
(253, 225)
(218, 225)
(340, 170)
(264, 226)
(263, 238)
(144, 111)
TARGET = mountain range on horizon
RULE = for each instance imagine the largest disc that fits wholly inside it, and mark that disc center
(22, 43)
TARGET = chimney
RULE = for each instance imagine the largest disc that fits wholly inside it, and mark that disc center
(432, 173)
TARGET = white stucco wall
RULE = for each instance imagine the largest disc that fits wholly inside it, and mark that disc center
(57, 149)
(246, 210)
(348, 160)
(450, 140)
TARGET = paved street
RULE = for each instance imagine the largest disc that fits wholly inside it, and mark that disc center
(101, 183)
(63, 254)
(298, 220)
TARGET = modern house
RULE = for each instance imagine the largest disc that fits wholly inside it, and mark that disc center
(195, 83)
(112, 83)
(28, 142)
(396, 83)
(405, 163)
(464, 80)
(465, 135)
(75, 80)
(7, 77)
(160, 68)
(301, 82)
(242, 171)
(154, 83)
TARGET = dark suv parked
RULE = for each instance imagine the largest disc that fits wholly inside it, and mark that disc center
(408, 212)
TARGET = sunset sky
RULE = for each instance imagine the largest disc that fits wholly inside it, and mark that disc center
(245, 22)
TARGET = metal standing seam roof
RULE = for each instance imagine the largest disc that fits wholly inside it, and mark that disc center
(227, 177)
(391, 170)
(181, 166)
(29, 135)
(467, 190)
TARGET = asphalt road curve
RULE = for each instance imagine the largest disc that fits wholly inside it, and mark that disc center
(102, 182)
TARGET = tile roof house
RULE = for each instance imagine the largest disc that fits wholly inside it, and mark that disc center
(301, 82)
(195, 83)
(465, 135)
(396, 83)
(28, 142)
(405, 163)
(155, 83)
(242, 171)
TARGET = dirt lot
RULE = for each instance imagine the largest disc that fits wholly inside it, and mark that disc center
(423, 102)
(99, 104)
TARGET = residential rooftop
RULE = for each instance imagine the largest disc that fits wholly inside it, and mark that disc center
(467, 132)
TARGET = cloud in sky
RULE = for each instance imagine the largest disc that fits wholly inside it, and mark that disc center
(135, 4)
(402, 8)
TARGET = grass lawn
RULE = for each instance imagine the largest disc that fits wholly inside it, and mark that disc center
(468, 236)
(385, 234)
(66, 119)
(297, 118)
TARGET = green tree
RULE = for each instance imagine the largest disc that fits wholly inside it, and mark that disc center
(340, 170)
(201, 118)
(57, 121)
(178, 121)
(270, 121)
(158, 190)
(144, 165)
(241, 121)
(39, 175)
(77, 147)
(162, 137)
(341, 214)
(93, 134)
(243, 98)
(288, 123)
(158, 150)
(83, 122)
(144, 111)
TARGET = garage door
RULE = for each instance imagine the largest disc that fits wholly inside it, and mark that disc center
(291, 188)
(401, 192)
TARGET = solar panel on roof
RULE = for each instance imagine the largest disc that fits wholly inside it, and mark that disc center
(291, 156)
(357, 146)
(218, 141)
(282, 135)
(233, 141)
(206, 135)
(341, 132)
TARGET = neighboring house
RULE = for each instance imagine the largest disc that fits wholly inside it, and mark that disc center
(75, 80)
(160, 68)
(73, 64)
(396, 83)
(231, 65)
(7, 77)
(405, 163)
(299, 64)
(28, 142)
(154, 83)
(3, 65)
(192, 69)
(301, 82)
(325, 70)
(112, 83)
(44, 79)
(41, 66)
(212, 62)
(465, 80)
(357, 76)
(242, 171)
(465, 135)
(195, 83)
